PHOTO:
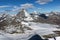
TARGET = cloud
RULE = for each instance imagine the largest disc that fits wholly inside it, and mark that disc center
(4, 6)
(23, 6)
(27, 5)
(43, 1)
(15, 8)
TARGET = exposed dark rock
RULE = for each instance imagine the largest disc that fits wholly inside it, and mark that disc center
(43, 16)
(36, 37)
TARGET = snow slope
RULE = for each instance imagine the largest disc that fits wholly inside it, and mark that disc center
(38, 28)
(42, 28)
(29, 18)
(57, 38)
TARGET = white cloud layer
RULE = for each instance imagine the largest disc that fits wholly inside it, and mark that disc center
(43, 1)
(15, 8)
(27, 5)
(4, 6)
(23, 6)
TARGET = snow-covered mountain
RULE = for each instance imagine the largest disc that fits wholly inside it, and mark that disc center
(52, 13)
(13, 24)
(34, 15)
(5, 19)
(22, 27)
(23, 14)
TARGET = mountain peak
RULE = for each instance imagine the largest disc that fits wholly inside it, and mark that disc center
(23, 13)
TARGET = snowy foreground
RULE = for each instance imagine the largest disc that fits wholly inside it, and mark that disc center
(38, 28)
(57, 38)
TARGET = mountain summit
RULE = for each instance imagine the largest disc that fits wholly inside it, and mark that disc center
(25, 15)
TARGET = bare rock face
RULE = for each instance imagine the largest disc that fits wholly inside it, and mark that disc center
(13, 29)
(12, 24)
(34, 15)
(53, 18)
(16, 29)
(4, 20)
(24, 15)
(21, 14)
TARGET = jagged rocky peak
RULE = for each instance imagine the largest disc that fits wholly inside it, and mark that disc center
(52, 13)
(4, 20)
(23, 13)
(35, 15)
(3, 17)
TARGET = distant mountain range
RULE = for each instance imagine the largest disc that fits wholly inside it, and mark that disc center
(8, 22)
